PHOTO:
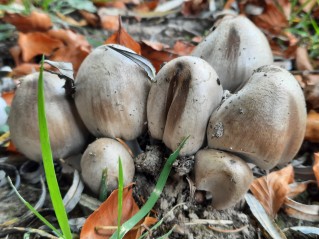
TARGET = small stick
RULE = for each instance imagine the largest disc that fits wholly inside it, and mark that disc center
(227, 230)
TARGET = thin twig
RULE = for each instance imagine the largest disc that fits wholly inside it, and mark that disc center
(10, 230)
(227, 230)
(208, 221)
(305, 72)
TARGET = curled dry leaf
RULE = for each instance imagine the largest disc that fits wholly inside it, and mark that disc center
(312, 129)
(36, 21)
(106, 215)
(121, 37)
(158, 58)
(271, 190)
(316, 167)
(37, 43)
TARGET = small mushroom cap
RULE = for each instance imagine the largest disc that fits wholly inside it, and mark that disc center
(111, 94)
(103, 154)
(235, 48)
(67, 131)
(265, 122)
(226, 176)
(186, 92)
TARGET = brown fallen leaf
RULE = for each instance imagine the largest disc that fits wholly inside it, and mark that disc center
(37, 43)
(106, 215)
(303, 63)
(301, 211)
(24, 69)
(297, 188)
(147, 223)
(71, 21)
(316, 167)
(16, 54)
(194, 7)
(308, 5)
(108, 22)
(8, 96)
(312, 129)
(158, 58)
(36, 21)
(158, 46)
(271, 190)
(183, 48)
(91, 18)
(121, 37)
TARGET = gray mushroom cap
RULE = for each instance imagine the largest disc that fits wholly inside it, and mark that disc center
(111, 93)
(186, 92)
(104, 153)
(67, 131)
(265, 122)
(226, 176)
(235, 48)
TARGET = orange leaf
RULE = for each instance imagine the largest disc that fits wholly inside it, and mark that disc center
(157, 57)
(121, 37)
(108, 22)
(303, 63)
(271, 190)
(106, 215)
(148, 222)
(183, 48)
(194, 7)
(8, 96)
(312, 129)
(37, 43)
(91, 18)
(36, 21)
(316, 167)
(25, 69)
(16, 53)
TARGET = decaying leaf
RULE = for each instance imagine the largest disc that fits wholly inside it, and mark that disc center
(37, 43)
(268, 223)
(158, 58)
(297, 188)
(25, 69)
(303, 63)
(108, 22)
(312, 129)
(121, 37)
(106, 215)
(316, 168)
(36, 21)
(194, 7)
(183, 48)
(271, 190)
(301, 211)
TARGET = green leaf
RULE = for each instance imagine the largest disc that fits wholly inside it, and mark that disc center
(120, 198)
(32, 209)
(128, 225)
(103, 186)
(53, 186)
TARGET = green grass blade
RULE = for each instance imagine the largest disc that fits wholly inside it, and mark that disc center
(33, 210)
(314, 24)
(48, 162)
(103, 186)
(120, 198)
(128, 225)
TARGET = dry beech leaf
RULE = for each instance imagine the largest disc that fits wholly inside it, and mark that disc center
(297, 188)
(147, 223)
(301, 211)
(158, 58)
(303, 63)
(272, 19)
(183, 48)
(312, 129)
(91, 18)
(25, 69)
(36, 21)
(316, 167)
(158, 46)
(106, 215)
(108, 22)
(37, 43)
(16, 53)
(271, 190)
(8, 96)
(121, 37)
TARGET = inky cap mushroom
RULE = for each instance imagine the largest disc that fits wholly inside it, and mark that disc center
(224, 175)
(111, 93)
(264, 122)
(103, 154)
(235, 48)
(67, 132)
(186, 92)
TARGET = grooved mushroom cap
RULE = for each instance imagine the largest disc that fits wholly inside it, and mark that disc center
(224, 175)
(104, 153)
(263, 123)
(111, 93)
(67, 132)
(186, 92)
(235, 48)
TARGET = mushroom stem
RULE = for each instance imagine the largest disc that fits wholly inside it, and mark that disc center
(134, 146)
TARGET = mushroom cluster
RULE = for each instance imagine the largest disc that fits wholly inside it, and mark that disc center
(235, 106)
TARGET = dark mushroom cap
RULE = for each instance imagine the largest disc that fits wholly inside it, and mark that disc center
(111, 94)
(235, 48)
(226, 176)
(186, 92)
(264, 122)
(66, 130)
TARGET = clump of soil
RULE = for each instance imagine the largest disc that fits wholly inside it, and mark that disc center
(190, 218)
